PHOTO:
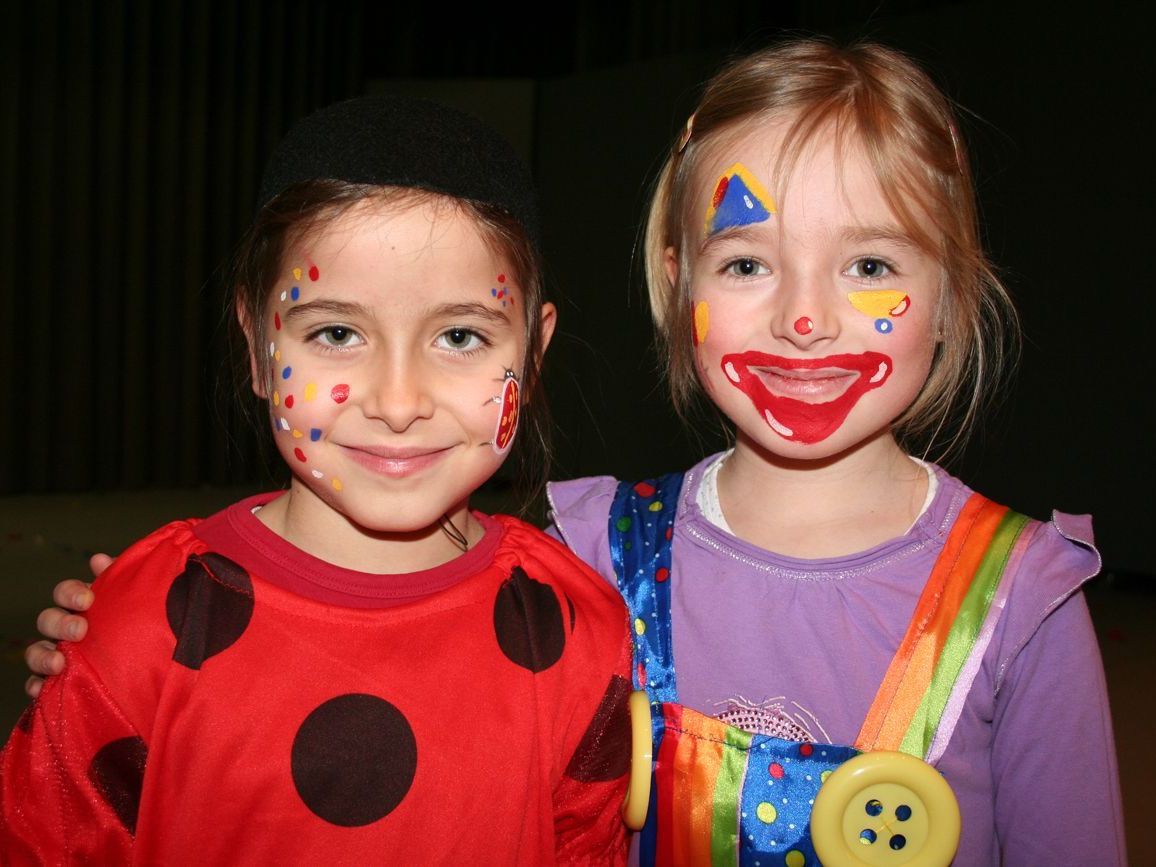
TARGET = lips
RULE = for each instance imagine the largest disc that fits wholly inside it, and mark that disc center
(789, 392)
(395, 462)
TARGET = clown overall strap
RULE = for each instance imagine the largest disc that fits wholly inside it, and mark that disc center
(706, 806)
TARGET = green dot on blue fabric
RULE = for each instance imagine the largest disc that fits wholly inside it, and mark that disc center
(623, 524)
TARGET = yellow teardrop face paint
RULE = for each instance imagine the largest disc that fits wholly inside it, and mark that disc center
(880, 302)
(701, 322)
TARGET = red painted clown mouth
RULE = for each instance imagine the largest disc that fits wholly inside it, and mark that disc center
(805, 399)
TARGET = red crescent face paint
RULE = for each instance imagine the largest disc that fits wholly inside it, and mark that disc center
(508, 416)
(792, 379)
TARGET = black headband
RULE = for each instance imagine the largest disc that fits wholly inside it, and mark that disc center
(404, 142)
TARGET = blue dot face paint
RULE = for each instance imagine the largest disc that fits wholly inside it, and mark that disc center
(883, 326)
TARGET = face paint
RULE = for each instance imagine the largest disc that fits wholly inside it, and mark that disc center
(738, 200)
(509, 403)
(701, 323)
(795, 419)
(314, 274)
(310, 391)
(502, 293)
(804, 325)
(339, 393)
(880, 303)
(296, 273)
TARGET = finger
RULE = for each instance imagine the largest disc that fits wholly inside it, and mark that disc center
(97, 563)
(61, 625)
(72, 594)
(43, 658)
(33, 685)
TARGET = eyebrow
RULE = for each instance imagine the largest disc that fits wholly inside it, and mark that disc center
(867, 234)
(734, 233)
(470, 308)
(344, 309)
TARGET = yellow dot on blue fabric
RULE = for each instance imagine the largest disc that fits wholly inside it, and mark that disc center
(656, 506)
(766, 813)
(795, 858)
(639, 626)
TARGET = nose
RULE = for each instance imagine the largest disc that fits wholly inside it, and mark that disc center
(400, 392)
(804, 313)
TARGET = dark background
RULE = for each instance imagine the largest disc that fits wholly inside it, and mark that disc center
(132, 135)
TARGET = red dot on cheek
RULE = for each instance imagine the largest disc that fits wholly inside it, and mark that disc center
(339, 393)
(300, 455)
(501, 278)
(288, 401)
(277, 321)
(314, 273)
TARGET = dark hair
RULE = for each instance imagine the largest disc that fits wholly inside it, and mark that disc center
(306, 206)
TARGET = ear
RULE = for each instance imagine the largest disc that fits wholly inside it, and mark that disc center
(546, 325)
(670, 265)
(256, 377)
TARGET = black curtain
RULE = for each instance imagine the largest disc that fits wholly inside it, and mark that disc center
(131, 139)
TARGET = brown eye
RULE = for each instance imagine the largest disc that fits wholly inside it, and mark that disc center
(337, 337)
(746, 268)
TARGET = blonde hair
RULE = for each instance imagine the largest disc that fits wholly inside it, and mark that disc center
(906, 129)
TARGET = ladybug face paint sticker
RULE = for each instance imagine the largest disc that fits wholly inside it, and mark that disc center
(509, 402)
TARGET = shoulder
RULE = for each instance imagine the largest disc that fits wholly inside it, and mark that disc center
(147, 563)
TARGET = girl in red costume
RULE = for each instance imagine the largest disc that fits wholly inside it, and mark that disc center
(360, 668)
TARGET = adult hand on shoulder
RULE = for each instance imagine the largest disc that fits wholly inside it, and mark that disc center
(61, 623)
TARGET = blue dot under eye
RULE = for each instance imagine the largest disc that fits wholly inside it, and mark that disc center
(314, 434)
(883, 326)
(902, 812)
(287, 372)
(295, 293)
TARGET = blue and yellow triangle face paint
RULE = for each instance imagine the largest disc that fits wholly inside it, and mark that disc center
(738, 200)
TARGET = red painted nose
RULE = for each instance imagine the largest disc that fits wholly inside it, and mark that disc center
(803, 325)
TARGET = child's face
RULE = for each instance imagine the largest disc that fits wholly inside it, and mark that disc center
(813, 315)
(396, 343)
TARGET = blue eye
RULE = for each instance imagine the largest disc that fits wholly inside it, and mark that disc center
(746, 268)
(870, 268)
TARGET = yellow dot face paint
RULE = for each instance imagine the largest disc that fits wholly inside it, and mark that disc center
(738, 200)
(701, 322)
(310, 391)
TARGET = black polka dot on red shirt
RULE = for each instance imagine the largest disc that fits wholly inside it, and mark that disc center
(117, 773)
(528, 622)
(604, 752)
(354, 759)
(208, 606)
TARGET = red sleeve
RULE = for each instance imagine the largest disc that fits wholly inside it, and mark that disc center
(71, 775)
(589, 717)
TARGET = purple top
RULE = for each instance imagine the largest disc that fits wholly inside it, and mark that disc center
(1031, 761)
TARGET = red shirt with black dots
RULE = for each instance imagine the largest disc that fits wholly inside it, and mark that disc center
(238, 701)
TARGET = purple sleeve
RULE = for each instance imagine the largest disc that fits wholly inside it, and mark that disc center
(579, 511)
(1057, 795)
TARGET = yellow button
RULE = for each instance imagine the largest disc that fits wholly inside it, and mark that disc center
(885, 809)
(641, 762)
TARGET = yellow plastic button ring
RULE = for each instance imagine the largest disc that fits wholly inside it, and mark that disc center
(885, 808)
(641, 762)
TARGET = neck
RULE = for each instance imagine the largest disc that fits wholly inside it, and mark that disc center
(305, 521)
(829, 507)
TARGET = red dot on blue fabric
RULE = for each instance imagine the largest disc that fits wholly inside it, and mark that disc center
(661, 574)
(644, 489)
(806, 749)
(669, 533)
(776, 770)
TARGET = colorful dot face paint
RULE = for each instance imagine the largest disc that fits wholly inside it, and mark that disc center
(314, 273)
(804, 326)
(701, 323)
(793, 417)
(502, 292)
(288, 401)
(339, 393)
(739, 200)
(509, 402)
(310, 391)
